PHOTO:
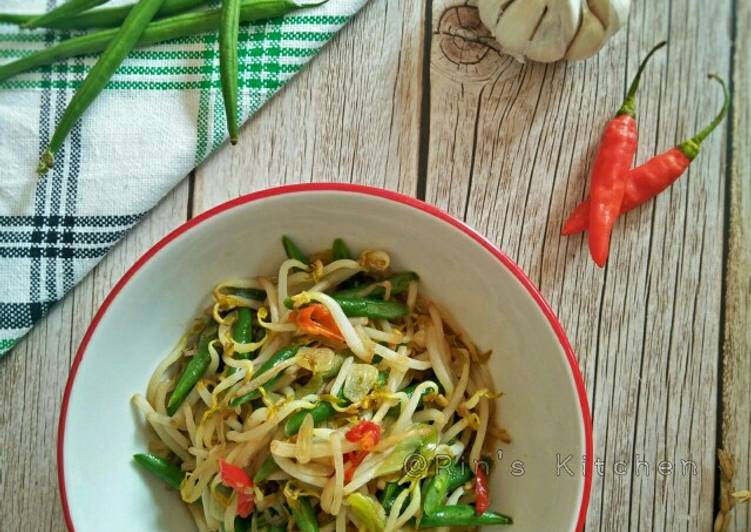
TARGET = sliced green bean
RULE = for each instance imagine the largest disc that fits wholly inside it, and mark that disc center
(389, 495)
(106, 17)
(280, 356)
(366, 308)
(292, 251)
(459, 473)
(228, 63)
(304, 516)
(463, 515)
(122, 43)
(242, 524)
(68, 9)
(161, 468)
(268, 467)
(340, 251)
(436, 491)
(242, 333)
(372, 308)
(193, 371)
(321, 412)
(399, 285)
(250, 293)
(166, 29)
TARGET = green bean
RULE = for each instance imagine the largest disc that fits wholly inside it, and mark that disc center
(372, 308)
(399, 284)
(250, 293)
(242, 524)
(106, 17)
(268, 467)
(366, 308)
(242, 333)
(228, 62)
(13, 18)
(193, 371)
(409, 390)
(68, 9)
(463, 515)
(280, 356)
(340, 251)
(123, 42)
(389, 495)
(292, 251)
(436, 491)
(166, 29)
(304, 515)
(161, 468)
(459, 474)
(321, 412)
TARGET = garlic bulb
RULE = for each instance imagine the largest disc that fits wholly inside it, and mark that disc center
(550, 30)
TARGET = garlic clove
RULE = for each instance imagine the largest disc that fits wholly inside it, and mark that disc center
(600, 20)
(555, 31)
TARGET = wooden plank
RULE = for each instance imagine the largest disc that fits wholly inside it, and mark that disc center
(510, 147)
(736, 365)
(34, 376)
(360, 102)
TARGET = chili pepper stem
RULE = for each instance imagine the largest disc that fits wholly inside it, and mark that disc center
(690, 147)
(629, 104)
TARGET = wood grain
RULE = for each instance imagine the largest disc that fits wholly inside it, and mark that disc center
(510, 146)
(736, 361)
(34, 376)
(360, 102)
(506, 147)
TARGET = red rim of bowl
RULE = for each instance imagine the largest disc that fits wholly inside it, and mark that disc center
(336, 187)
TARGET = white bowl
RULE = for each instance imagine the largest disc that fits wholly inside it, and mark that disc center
(544, 404)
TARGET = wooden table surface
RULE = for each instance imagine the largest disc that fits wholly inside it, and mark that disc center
(411, 96)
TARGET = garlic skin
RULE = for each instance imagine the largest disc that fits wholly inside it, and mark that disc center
(551, 30)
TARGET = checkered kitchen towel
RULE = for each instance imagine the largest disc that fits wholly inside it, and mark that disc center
(161, 115)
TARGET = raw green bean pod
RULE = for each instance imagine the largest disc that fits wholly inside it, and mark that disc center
(161, 468)
(122, 43)
(228, 62)
(194, 370)
(106, 17)
(166, 29)
(68, 9)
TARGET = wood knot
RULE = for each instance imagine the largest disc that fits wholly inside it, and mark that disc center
(462, 44)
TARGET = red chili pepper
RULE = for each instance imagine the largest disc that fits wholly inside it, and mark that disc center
(482, 493)
(316, 320)
(365, 432)
(237, 479)
(612, 161)
(658, 173)
(368, 434)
